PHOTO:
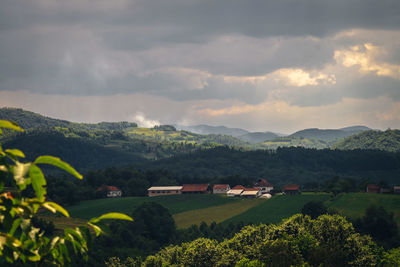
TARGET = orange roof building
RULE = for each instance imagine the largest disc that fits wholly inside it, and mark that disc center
(195, 189)
(291, 189)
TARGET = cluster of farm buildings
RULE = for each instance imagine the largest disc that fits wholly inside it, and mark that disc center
(261, 188)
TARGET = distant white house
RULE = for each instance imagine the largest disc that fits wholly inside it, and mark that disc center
(111, 191)
(264, 186)
(164, 190)
(221, 188)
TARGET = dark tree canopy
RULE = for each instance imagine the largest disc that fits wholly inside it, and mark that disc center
(314, 209)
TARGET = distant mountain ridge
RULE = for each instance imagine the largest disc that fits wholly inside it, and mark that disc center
(208, 129)
(329, 134)
(139, 140)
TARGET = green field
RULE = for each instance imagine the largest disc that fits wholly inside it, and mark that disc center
(175, 204)
(216, 214)
(277, 208)
(193, 209)
(354, 205)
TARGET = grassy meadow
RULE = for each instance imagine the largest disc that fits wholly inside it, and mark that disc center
(193, 209)
(216, 214)
(175, 204)
(277, 208)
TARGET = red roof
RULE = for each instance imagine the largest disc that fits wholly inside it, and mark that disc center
(291, 187)
(238, 187)
(108, 188)
(221, 186)
(373, 186)
(262, 183)
(195, 187)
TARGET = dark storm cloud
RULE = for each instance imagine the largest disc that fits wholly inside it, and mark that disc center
(104, 47)
(258, 18)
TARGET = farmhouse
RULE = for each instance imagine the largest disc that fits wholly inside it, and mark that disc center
(251, 192)
(110, 191)
(264, 186)
(196, 189)
(221, 188)
(396, 189)
(372, 188)
(291, 189)
(164, 190)
(234, 192)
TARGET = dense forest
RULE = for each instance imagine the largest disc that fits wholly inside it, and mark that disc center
(328, 240)
(388, 140)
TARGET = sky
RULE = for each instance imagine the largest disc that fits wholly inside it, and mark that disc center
(260, 65)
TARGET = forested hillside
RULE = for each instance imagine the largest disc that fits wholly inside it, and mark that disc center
(388, 140)
(286, 165)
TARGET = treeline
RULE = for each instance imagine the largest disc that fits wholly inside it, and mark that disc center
(314, 170)
(286, 165)
(329, 240)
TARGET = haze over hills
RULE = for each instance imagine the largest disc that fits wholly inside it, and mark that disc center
(258, 137)
(164, 141)
(207, 129)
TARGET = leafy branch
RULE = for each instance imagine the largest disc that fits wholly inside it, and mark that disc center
(20, 241)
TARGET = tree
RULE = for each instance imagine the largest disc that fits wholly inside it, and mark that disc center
(380, 224)
(314, 209)
(21, 241)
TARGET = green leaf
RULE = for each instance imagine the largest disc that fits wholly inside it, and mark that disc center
(10, 125)
(20, 170)
(96, 228)
(53, 207)
(38, 182)
(15, 153)
(58, 163)
(111, 215)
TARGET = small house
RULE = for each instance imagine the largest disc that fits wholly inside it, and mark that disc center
(396, 189)
(109, 191)
(291, 189)
(221, 188)
(385, 190)
(264, 186)
(196, 189)
(372, 188)
(164, 190)
(251, 192)
(234, 192)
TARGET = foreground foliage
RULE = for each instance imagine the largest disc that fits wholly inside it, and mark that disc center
(21, 241)
(328, 240)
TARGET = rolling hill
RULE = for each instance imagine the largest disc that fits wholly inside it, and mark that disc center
(258, 137)
(328, 134)
(388, 140)
(207, 129)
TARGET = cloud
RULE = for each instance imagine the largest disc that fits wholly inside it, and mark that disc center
(184, 56)
(141, 120)
(364, 56)
(378, 112)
